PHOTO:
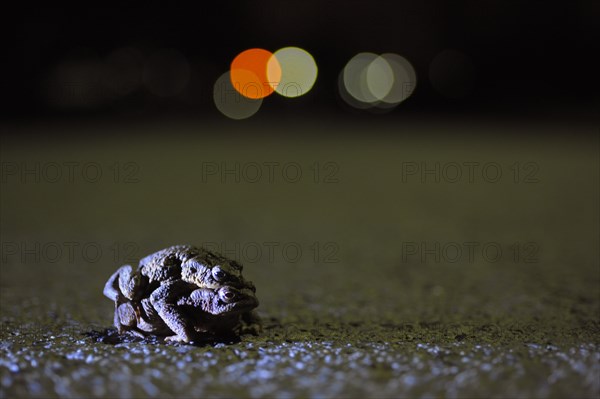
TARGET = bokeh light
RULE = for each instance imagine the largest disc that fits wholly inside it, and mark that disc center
(383, 81)
(77, 81)
(347, 97)
(252, 75)
(405, 79)
(166, 73)
(123, 70)
(354, 78)
(295, 70)
(379, 78)
(451, 73)
(231, 102)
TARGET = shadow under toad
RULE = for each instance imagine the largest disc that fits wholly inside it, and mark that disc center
(111, 336)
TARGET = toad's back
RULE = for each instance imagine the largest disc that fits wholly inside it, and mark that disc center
(166, 263)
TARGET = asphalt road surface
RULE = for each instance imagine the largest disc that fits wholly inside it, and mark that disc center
(415, 259)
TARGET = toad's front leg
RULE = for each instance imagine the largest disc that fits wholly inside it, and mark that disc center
(251, 323)
(126, 319)
(124, 284)
(164, 300)
(112, 290)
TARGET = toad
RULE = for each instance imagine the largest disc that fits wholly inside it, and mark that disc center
(163, 278)
(208, 314)
(198, 266)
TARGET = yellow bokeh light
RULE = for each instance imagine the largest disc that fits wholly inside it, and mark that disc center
(295, 71)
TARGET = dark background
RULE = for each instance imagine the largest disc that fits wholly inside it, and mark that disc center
(536, 54)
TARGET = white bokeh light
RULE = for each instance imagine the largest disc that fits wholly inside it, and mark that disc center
(405, 79)
(354, 76)
(230, 102)
(377, 81)
(379, 78)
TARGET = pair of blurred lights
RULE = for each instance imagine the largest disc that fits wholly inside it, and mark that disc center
(376, 81)
(257, 73)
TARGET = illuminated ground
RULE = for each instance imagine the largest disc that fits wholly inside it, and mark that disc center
(377, 302)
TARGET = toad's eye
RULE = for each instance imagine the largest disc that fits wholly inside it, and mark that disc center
(227, 295)
(193, 270)
(218, 274)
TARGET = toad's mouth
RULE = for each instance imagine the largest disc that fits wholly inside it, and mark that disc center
(232, 300)
(240, 305)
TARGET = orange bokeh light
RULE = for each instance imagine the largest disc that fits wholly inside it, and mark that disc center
(249, 73)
